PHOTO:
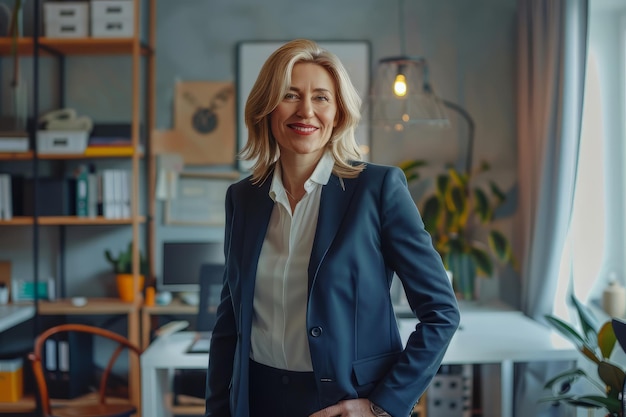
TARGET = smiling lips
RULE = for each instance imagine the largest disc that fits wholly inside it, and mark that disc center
(302, 129)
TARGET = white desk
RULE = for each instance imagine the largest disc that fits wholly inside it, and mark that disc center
(485, 337)
(14, 314)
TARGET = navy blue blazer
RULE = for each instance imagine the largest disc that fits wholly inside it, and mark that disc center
(367, 229)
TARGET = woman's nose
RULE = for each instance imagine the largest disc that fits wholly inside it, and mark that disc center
(305, 109)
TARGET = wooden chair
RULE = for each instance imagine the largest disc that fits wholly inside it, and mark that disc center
(101, 408)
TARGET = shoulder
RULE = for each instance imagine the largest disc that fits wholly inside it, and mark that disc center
(380, 171)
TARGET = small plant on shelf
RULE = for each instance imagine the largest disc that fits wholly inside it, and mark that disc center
(122, 264)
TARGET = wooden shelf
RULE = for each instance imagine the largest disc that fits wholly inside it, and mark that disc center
(175, 307)
(83, 221)
(20, 156)
(91, 153)
(93, 306)
(73, 46)
(17, 221)
(67, 221)
(27, 404)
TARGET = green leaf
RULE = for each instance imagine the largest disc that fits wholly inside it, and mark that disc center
(412, 164)
(612, 376)
(410, 169)
(481, 205)
(571, 334)
(569, 377)
(431, 214)
(499, 244)
(441, 185)
(606, 339)
(588, 321)
(497, 192)
(458, 179)
(596, 401)
(456, 200)
(482, 260)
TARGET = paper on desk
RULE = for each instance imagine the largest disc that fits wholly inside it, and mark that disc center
(169, 165)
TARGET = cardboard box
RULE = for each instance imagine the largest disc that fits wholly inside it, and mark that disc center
(11, 380)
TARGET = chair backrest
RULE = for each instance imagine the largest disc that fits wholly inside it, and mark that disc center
(37, 358)
(211, 281)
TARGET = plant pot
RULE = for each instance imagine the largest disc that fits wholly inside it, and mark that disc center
(125, 288)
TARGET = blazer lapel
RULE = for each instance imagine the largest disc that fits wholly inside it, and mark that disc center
(333, 209)
(257, 217)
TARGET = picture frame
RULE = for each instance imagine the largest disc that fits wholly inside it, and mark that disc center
(204, 117)
(355, 56)
(199, 199)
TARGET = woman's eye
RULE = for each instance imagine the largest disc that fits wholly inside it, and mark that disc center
(322, 98)
(290, 96)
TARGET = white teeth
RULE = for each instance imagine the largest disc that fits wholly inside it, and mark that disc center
(303, 129)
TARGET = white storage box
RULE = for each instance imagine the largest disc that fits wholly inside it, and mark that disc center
(66, 19)
(112, 18)
(62, 141)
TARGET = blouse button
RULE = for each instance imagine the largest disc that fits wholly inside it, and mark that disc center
(316, 331)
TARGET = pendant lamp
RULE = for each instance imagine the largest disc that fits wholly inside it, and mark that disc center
(402, 95)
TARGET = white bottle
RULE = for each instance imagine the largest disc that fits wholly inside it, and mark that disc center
(614, 300)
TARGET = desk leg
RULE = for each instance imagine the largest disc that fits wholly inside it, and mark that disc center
(155, 388)
(506, 379)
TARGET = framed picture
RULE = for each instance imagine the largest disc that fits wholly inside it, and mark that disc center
(355, 56)
(204, 117)
(198, 199)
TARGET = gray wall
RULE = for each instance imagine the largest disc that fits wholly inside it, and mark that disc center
(470, 47)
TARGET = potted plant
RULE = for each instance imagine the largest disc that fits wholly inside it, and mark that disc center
(459, 216)
(596, 343)
(123, 269)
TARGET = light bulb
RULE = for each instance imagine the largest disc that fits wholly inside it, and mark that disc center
(399, 85)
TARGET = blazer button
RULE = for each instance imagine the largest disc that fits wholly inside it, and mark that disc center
(316, 331)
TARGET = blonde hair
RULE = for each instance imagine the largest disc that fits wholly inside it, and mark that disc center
(268, 91)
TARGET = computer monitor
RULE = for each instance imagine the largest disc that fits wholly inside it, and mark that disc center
(181, 263)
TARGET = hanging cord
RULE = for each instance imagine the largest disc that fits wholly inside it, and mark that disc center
(401, 28)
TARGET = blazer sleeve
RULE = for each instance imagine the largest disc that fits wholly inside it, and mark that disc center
(223, 339)
(408, 249)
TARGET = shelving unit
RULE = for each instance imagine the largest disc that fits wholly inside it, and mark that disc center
(136, 50)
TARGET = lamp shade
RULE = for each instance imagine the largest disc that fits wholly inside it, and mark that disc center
(401, 94)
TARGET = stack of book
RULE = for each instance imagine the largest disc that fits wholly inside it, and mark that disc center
(106, 193)
(107, 139)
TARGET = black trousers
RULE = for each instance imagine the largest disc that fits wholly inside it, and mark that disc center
(279, 393)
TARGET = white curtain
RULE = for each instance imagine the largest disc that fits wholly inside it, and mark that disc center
(552, 48)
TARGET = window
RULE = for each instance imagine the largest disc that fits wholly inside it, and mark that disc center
(595, 252)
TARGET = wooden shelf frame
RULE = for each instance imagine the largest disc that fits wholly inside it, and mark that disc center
(136, 50)
(75, 46)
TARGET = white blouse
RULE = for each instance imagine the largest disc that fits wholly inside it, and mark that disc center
(279, 332)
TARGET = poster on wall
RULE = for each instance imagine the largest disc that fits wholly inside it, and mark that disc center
(204, 117)
(197, 199)
(355, 56)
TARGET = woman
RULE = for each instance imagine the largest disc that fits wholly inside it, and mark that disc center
(306, 325)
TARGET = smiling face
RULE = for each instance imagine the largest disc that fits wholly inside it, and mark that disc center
(303, 121)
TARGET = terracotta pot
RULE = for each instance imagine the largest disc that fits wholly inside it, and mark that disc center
(125, 286)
